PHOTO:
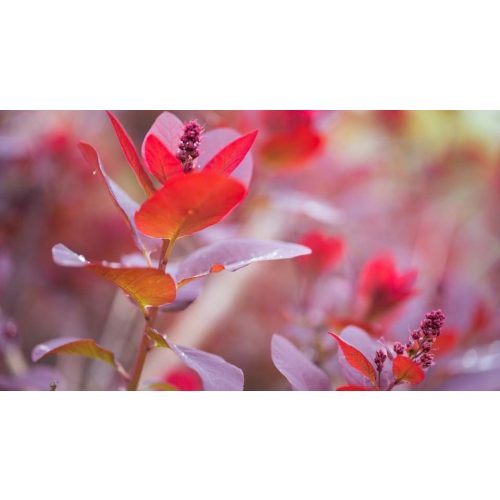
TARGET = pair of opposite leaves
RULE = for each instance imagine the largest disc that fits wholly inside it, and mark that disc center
(216, 374)
(185, 203)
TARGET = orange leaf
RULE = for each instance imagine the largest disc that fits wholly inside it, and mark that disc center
(160, 161)
(356, 359)
(130, 153)
(406, 370)
(146, 286)
(189, 203)
(87, 348)
(230, 156)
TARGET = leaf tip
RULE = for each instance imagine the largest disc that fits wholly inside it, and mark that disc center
(38, 352)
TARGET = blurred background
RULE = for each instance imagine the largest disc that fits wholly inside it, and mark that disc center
(401, 209)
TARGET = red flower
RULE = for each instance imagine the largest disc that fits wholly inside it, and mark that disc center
(292, 139)
(184, 379)
(382, 287)
(326, 251)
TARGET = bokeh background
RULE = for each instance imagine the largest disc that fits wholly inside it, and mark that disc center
(415, 189)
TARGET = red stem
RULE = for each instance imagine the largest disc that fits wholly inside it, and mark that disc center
(140, 359)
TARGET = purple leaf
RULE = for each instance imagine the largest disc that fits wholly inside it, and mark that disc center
(302, 373)
(215, 372)
(168, 128)
(37, 378)
(186, 295)
(121, 199)
(63, 256)
(9, 334)
(484, 380)
(6, 269)
(297, 203)
(235, 254)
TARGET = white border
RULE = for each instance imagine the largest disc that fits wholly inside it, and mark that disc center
(249, 445)
(222, 54)
(249, 55)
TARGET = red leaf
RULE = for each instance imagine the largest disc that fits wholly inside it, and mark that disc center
(130, 152)
(288, 150)
(352, 388)
(326, 251)
(446, 342)
(188, 204)
(229, 157)
(356, 359)
(217, 139)
(383, 287)
(161, 162)
(405, 369)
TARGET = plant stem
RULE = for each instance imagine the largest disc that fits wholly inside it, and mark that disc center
(393, 384)
(139, 363)
(166, 251)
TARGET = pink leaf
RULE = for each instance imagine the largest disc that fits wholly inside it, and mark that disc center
(234, 254)
(168, 129)
(215, 372)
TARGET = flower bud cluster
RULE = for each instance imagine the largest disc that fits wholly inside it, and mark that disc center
(189, 145)
(420, 342)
